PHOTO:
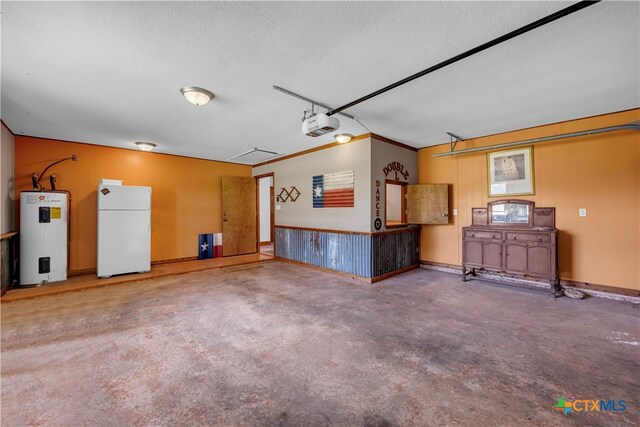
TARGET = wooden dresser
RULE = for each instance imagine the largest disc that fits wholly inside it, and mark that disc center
(512, 237)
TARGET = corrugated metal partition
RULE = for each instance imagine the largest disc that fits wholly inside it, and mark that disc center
(361, 254)
(394, 251)
(346, 252)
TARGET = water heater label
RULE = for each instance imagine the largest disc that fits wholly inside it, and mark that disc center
(56, 213)
(32, 199)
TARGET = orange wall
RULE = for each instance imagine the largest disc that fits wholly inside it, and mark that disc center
(186, 193)
(599, 172)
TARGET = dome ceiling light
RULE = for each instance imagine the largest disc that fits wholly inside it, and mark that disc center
(343, 138)
(196, 95)
(146, 146)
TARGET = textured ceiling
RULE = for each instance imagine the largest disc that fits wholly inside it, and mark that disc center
(109, 73)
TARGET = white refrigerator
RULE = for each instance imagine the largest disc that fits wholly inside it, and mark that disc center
(124, 229)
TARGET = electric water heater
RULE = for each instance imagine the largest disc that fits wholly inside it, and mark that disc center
(43, 237)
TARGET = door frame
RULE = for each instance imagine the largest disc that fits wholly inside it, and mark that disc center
(272, 207)
(403, 203)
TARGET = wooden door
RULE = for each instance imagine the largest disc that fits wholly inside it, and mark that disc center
(428, 204)
(539, 260)
(238, 215)
(515, 257)
(492, 255)
(472, 252)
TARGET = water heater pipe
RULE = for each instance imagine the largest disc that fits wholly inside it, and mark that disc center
(37, 177)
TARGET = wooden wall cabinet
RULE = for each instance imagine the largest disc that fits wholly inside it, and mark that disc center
(428, 204)
(512, 237)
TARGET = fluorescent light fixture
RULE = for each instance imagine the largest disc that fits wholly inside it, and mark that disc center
(196, 95)
(343, 138)
(146, 146)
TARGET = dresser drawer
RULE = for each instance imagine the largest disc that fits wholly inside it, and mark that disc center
(479, 234)
(529, 237)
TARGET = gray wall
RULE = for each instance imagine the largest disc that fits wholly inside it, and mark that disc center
(7, 146)
(299, 171)
(382, 154)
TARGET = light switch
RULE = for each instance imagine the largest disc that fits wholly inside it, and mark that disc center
(455, 212)
(582, 212)
(278, 207)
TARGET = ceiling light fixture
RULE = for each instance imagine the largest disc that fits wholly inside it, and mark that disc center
(343, 138)
(196, 95)
(146, 146)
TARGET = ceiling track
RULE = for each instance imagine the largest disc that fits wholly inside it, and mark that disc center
(629, 126)
(515, 33)
(310, 101)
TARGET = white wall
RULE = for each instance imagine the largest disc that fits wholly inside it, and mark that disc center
(299, 171)
(394, 202)
(383, 153)
(7, 219)
(264, 188)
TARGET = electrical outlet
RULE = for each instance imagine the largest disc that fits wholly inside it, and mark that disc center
(455, 212)
(582, 212)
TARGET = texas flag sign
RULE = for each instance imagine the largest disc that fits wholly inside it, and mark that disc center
(333, 190)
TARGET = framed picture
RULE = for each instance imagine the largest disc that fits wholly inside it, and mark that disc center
(510, 172)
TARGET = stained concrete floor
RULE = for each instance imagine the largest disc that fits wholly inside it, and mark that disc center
(278, 344)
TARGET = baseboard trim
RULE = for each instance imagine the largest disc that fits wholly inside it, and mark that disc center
(84, 271)
(349, 275)
(170, 261)
(394, 273)
(592, 287)
(599, 291)
(326, 270)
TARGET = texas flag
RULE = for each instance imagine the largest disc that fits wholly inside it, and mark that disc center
(205, 246)
(333, 190)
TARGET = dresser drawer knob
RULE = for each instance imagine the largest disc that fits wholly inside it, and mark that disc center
(539, 239)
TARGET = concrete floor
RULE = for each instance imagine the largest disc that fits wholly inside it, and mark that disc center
(279, 344)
